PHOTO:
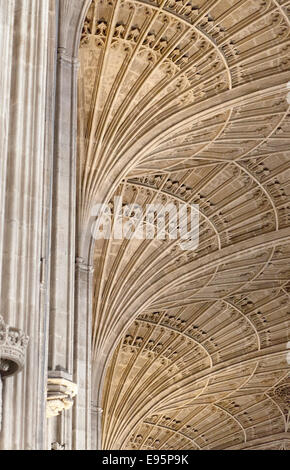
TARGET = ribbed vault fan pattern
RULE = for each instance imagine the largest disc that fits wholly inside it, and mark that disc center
(185, 101)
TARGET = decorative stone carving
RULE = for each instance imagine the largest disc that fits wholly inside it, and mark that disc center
(13, 344)
(57, 446)
(60, 393)
(282, 392)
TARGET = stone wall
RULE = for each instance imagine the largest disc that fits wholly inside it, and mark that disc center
(38, 71)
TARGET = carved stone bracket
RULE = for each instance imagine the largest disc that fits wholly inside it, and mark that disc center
(60, 393)
(13, 344)
(57, 446)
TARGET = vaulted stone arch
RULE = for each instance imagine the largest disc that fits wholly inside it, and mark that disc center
(179, 102)
(175, 101)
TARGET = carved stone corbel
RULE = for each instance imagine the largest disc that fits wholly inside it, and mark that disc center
(13, 344)
(60, 393)
(57, 446)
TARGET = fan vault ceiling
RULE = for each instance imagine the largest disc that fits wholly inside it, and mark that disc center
(186, 101)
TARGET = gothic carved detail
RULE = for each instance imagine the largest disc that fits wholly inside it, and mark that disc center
(60, 393)
(13, 345)
(197, 358)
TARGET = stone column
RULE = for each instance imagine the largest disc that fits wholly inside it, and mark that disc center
(61, 324)
(97, 414)
(23, 65)
(82, 363)
(67, 342)
(0, 402)
(6, 41)
(38, 107)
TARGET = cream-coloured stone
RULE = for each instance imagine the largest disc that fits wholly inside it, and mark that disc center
(60, 394)
(160, 101)
(187, 104)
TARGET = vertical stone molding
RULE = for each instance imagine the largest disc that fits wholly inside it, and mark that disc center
(97, 413)
(64, 321)
(6, 42)
(82, 351)
(38, 93)
(23, 66)
(1, 386)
